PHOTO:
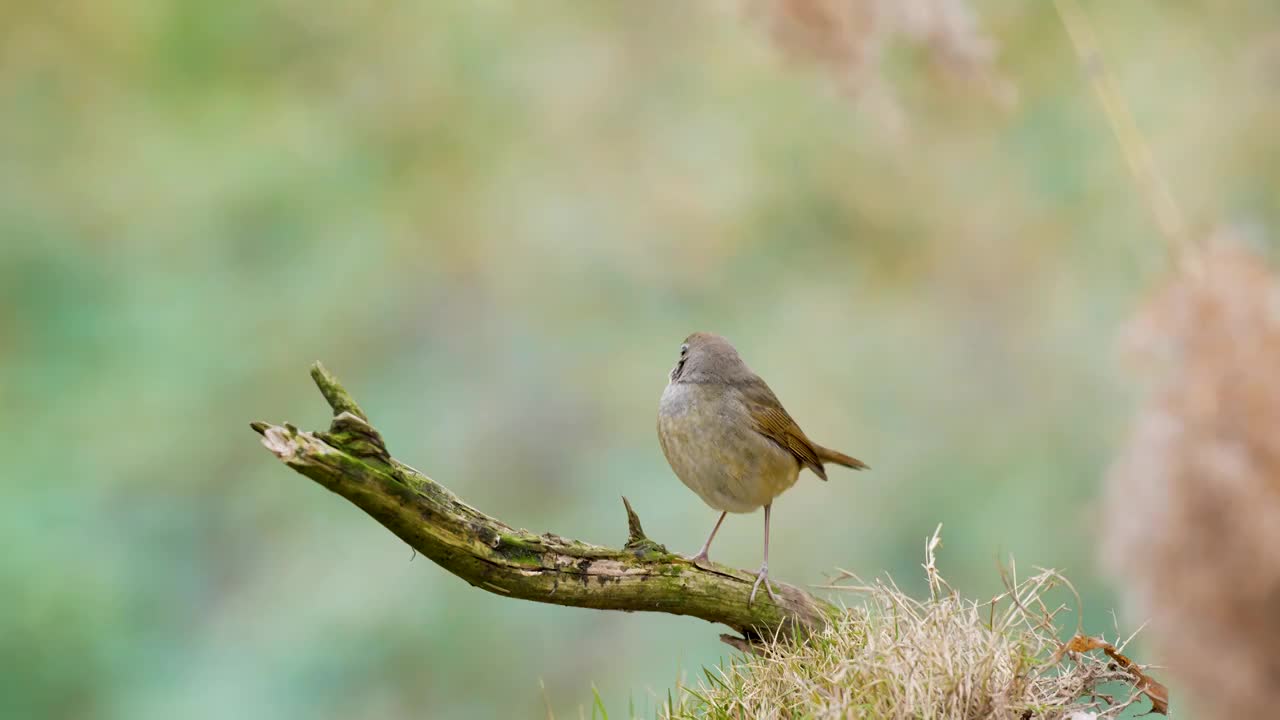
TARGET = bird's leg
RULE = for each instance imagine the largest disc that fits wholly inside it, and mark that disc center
(702, 554)
(763, 577)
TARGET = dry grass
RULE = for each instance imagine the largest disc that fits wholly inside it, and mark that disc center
(1195, 498)
(944, 657)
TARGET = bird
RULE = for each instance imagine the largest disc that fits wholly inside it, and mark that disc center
(728, 438)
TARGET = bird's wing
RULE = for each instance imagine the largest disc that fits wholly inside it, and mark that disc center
(772, 421)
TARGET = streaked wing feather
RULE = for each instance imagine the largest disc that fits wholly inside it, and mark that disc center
(773, 421)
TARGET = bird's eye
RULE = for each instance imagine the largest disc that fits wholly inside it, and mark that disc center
(684, 349)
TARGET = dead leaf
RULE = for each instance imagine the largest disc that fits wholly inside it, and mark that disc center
(1147, 685)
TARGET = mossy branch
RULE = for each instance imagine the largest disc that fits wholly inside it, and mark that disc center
(351, 460)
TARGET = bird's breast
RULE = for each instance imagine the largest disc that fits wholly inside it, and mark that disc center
(709, 439)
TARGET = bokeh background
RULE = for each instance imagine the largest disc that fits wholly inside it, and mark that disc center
(496, 222)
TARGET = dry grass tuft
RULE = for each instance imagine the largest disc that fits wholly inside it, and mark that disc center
(1194, 501)
(945, 657)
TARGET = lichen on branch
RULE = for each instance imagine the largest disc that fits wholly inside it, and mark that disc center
(351, 459)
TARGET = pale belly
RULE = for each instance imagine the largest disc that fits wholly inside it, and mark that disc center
(709, 442)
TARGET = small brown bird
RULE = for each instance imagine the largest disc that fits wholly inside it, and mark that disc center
(728, 438)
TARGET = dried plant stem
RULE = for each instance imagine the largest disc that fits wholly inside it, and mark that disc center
(1151, 182)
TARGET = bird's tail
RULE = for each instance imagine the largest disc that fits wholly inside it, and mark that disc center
(827, 455)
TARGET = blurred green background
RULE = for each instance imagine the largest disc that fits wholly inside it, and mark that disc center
(496, 222)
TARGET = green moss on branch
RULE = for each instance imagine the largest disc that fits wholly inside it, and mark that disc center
(351, 459)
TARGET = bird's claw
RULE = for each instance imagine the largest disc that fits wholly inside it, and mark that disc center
(763, 577)
(700, 560)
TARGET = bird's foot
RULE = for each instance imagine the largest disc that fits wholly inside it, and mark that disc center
(763, 577)
(700, 559)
